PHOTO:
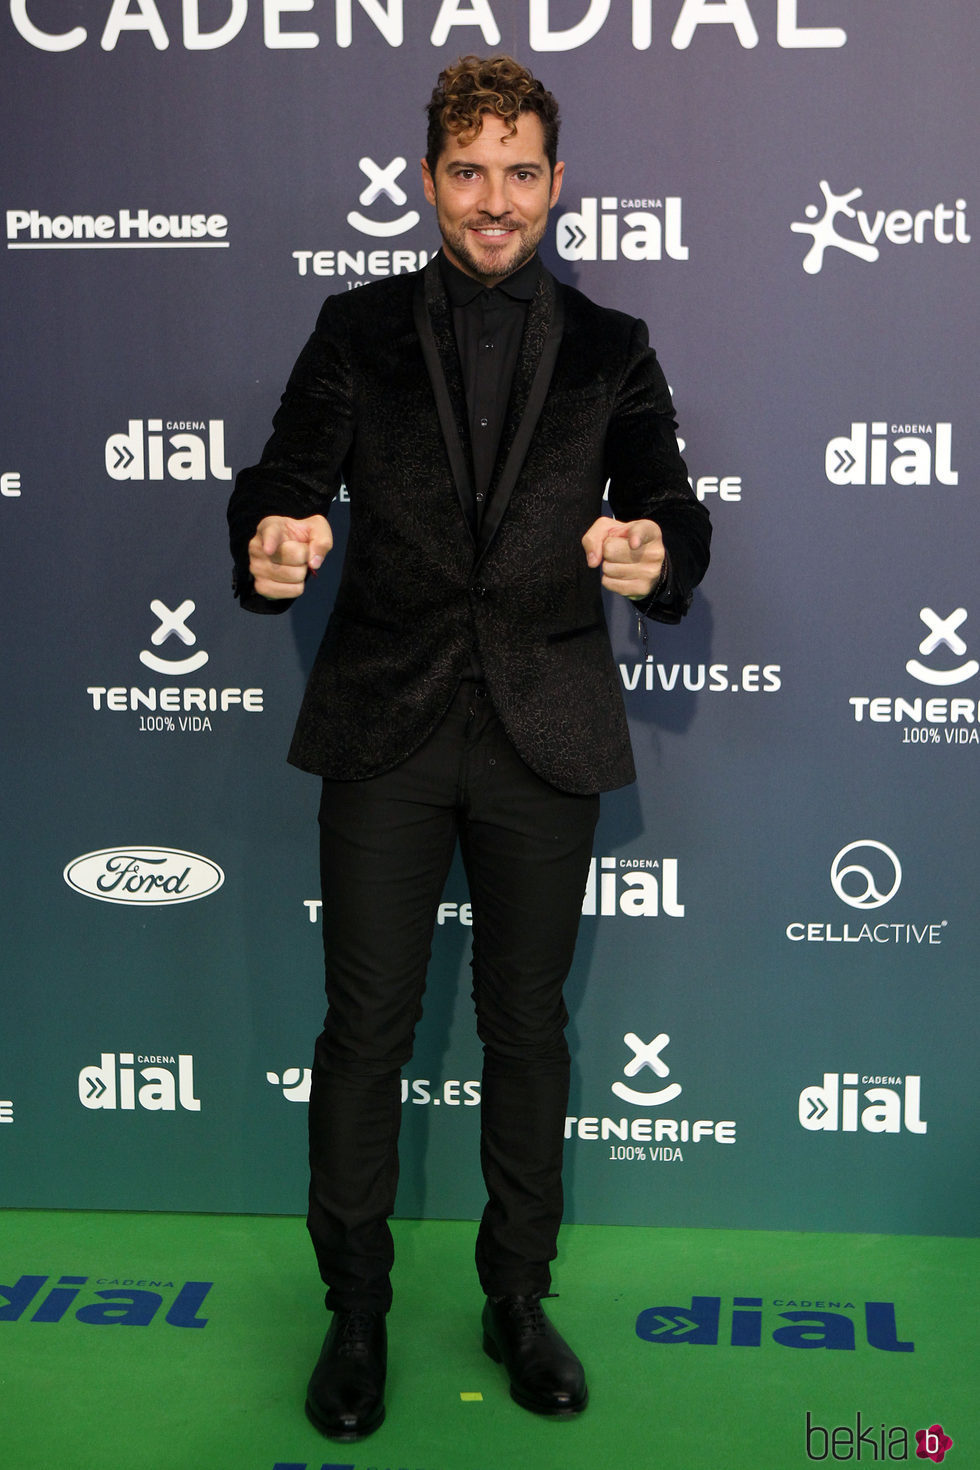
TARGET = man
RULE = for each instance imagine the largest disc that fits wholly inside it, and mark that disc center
(464, 691)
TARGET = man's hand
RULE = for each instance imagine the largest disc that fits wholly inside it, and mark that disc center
(282, 551)
(631, 554)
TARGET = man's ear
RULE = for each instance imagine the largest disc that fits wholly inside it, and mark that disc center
(556, 178)
(428, 184)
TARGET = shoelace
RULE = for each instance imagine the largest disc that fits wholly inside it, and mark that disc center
(354, 1332)
(527, 1316)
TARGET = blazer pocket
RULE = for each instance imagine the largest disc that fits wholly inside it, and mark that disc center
(566, 633)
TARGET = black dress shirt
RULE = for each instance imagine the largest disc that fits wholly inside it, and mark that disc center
(489, 325)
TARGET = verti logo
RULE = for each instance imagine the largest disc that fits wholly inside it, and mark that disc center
(940, 223)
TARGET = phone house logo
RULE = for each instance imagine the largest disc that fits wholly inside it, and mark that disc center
(129, 229)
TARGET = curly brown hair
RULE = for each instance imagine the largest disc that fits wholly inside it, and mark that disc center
(474, 86)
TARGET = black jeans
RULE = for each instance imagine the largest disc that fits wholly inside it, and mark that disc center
(386, 847)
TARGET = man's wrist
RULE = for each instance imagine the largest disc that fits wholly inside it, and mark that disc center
(660, 588)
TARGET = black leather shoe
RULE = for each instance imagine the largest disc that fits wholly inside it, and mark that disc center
(345, 1397)
(545, 1375)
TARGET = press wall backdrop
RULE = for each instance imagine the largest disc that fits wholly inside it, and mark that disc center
(774, 999)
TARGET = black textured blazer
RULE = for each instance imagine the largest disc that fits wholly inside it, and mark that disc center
(376, 400)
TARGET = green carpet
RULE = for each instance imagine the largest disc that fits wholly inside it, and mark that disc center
(754, 1349)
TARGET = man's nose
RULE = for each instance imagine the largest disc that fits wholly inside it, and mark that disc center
(495, 196)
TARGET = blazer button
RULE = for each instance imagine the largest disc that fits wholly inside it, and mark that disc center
(478, 590)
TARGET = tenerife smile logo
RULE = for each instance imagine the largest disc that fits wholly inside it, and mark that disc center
(943, 633)
(364, 261)
(646, 1055)
(382, 181)
(173, 624)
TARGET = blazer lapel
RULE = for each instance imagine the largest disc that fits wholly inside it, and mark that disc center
(434, 324)
(532, 378)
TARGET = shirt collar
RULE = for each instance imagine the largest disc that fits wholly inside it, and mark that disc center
(462, 289)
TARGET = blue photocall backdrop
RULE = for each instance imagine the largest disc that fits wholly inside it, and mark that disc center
(774, 1010)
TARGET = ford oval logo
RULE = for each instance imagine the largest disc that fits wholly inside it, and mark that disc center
(143, 875)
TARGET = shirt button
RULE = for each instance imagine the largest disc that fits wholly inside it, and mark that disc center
(483, 423)
(479, 497)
